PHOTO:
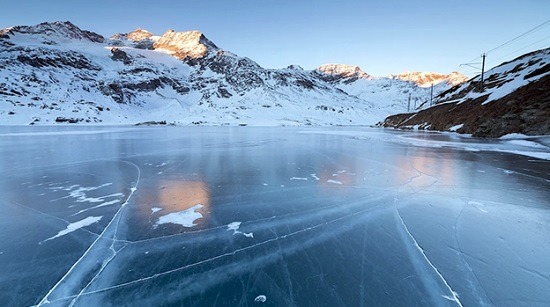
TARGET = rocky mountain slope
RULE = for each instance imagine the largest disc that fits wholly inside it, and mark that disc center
(514, 98)
(58, 73)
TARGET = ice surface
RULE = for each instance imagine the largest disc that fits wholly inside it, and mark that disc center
(430, 219)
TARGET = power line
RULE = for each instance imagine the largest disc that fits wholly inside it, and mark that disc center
(520, 36)
(532, 30)
(522, 48)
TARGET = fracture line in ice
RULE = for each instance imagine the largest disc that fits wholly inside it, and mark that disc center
(45, 299)
(466, 262)
(223, 255)
(111, 248)
(454, 295)
(266, 222)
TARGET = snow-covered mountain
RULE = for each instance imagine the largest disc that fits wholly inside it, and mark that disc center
(387, 93)
(57, 73)
(342, 71)
(426, 79)
(514, 98)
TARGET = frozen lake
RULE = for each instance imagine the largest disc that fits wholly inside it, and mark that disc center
(238, 216)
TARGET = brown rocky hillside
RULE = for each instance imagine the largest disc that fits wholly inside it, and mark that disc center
(515, 98)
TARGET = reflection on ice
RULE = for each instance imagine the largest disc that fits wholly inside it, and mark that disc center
(181, 202)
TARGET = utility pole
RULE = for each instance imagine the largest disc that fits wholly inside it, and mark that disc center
(432, 95)
(482, 69)
(409, 104)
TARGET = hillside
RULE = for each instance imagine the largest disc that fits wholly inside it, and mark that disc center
(58, 73)
(514, 98)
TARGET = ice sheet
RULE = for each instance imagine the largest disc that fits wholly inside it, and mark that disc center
(429, 218)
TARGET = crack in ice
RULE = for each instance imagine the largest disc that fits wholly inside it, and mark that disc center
(45, 299)
(232, 253)
(454, 295)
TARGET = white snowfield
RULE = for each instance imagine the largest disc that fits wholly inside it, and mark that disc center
(54, 73)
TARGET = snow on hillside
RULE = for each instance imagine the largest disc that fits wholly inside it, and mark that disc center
(58, 73)
(502, 79)
(512, 99)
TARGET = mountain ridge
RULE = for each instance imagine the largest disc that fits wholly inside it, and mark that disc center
(58, 73)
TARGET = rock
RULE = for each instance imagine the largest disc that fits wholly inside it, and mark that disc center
(68, 120)
(121, 56)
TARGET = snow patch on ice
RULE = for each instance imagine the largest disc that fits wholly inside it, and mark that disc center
(75, 226)
(107, 203)
(260, 299)
(334, 181)
(155, 209)
(314, 176)
(526, 143)
(299, 178)
(235, 227)
(506, 171)
(79, 192)
(514, 136)
(185, 218)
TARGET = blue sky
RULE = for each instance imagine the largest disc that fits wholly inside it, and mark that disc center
(382, 37)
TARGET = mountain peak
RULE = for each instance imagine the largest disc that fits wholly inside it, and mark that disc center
(189, 44)
(137, 35)
(61, 29)
(425, 79)
(343, 71)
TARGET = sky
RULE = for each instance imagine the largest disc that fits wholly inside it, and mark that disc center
(382, 37)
